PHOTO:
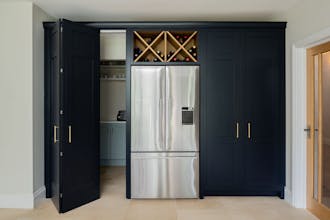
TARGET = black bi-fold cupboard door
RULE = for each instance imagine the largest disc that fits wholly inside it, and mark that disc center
(74, 92)
(244, 127)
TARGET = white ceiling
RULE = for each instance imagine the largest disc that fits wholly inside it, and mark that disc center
(158, 10)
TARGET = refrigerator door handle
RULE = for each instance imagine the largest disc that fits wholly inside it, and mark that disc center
(162, 122)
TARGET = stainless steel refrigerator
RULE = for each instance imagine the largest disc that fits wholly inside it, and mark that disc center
(165, 132)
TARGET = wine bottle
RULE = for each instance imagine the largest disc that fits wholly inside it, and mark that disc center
(137, 51)
(185, 37)
(146, 60)
(175, 59)
(194, 54)
(187, 59)
(149, 40)
(155, 60)
(170, 54)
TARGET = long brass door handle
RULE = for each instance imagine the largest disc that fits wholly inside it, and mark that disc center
(55, 134)
(237, 130)
(249, 130)
(70, 134)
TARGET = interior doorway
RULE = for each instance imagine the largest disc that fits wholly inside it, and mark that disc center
(318, 136)
(112, 105)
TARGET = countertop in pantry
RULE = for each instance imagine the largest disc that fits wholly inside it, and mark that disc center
(114, 121)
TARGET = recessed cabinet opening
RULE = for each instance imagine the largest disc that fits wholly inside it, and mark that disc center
(112, 104)
(165, 46)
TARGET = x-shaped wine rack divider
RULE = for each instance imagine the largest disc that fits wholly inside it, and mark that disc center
(181, 46)
(149, 46)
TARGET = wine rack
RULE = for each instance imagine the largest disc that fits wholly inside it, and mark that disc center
(165, 46)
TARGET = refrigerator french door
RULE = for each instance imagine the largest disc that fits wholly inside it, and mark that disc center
(165, 131)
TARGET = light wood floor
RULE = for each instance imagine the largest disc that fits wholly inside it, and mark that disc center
(114, 206)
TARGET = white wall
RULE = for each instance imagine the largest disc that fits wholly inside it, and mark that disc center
(21, 95)
(38, 101)
(112, 99)
(304, 19)
(112, 93)
(16, 139)
(113, 45)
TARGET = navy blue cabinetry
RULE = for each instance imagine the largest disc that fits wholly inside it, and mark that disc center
(243, 112)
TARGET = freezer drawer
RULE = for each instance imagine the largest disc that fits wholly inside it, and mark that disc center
(164, 175)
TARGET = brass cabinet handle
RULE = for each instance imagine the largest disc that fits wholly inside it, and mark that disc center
(70, 134)
(249, 130)
(237, 130)
(55, 134)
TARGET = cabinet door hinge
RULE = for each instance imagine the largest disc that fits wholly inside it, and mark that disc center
(61, 112)
(61, 70)
(61, 154)
(61, 195)
(61, 29)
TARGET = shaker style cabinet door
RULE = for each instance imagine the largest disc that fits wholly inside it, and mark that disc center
(263, 104)
(75, 155)
(55, 93)
(222, 114)
(243, 112)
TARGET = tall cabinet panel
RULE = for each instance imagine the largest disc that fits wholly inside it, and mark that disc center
(263, 77)
(243, 151)
(222, 113)
(72, 114)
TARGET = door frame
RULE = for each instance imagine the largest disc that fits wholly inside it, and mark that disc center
(297, 193)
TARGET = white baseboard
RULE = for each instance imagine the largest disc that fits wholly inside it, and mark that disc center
(21, 201)
(39, 195)
(288, 195)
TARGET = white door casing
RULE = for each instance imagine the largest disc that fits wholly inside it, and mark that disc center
(298, 120)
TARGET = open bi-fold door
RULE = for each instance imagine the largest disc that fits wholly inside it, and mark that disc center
(75, 115)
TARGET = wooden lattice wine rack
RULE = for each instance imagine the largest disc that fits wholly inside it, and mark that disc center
(165, 46)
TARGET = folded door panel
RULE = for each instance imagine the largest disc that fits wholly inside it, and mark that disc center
(182, 108)
(147, 108)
